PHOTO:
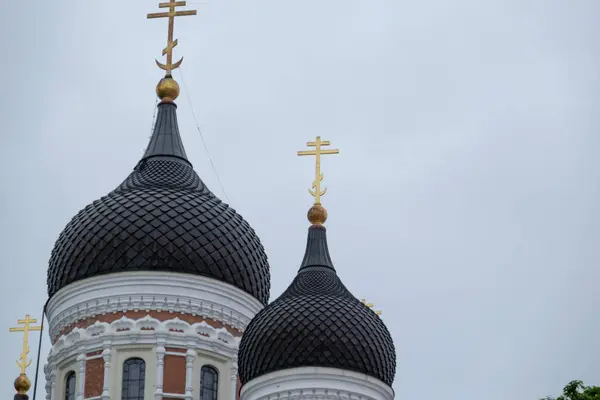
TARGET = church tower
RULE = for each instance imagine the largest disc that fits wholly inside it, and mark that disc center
(317, 341)
(151, 286)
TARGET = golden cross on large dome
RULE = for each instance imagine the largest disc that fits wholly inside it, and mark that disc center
(168, 89)
(171, 14)
(317, 215)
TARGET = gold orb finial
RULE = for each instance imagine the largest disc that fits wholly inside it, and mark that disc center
(22, 384)
(317, 215)
(167, 89)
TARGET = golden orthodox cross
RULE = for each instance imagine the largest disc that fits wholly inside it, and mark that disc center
(171, 14)
(370, 305)
(23, 363)
(318, 151)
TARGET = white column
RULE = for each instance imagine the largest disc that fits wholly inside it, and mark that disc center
(52, 383)
(81, 361)
(48, 386)
(160, 365)
(189, 369)
(105, 387)
(234, 371)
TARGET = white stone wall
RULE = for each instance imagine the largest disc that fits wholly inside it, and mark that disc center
(156, 291)
(122, 354)
(224, 366)
(63, 359)
(61, 376)
(175, 295)
(312, 383)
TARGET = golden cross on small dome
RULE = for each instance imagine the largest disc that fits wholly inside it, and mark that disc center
(317, 215)
(371, 305)
(23, 363)
(171, 14)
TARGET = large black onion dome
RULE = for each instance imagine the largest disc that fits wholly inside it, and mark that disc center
(317, 322)
(161, 218)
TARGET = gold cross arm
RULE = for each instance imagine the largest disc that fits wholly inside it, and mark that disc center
(27, 327)
(317, 142)
(314, 152)
(171, 13)
(23, 329)
(171, 4)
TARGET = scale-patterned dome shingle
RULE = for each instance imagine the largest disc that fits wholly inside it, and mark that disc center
(317, 322)
(161, 218)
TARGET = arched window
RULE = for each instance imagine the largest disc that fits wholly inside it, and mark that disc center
(209, 382)
(134, 374)
(70, 386)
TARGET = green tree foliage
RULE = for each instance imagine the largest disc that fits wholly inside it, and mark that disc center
(575, 390)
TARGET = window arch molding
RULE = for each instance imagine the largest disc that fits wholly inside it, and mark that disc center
(209, 382)
(70, 385)
(133, 380)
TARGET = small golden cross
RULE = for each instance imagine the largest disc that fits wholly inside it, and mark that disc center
(317, 192)
(371, 305)
(23, 363)
(171, 14)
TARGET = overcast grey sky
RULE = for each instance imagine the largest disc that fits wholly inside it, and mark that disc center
(464, 202)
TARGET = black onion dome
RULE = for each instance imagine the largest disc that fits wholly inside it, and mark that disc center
(161, 218)
(317, 322)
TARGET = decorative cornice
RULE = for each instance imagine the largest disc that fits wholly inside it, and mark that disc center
(147, 330)
(151, 291)
(308, 383)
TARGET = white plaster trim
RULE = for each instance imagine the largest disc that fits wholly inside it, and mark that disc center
(233, 376)
(93, 357)
(106, 382)
(189, 367)
(160, 367)
(50, 373)
(173, 395)
(309, 383)
(175, 353)
(53, 388)
(93, 398)
(81, 361)
(147, 290)
(147, 330)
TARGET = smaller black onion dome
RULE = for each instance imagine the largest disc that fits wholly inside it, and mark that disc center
(317, 322)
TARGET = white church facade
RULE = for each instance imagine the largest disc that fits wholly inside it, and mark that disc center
(160, 291)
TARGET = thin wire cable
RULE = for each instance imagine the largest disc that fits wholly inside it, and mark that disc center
(153, 117)
(212, 164)
(37, 363)
(153, 122)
